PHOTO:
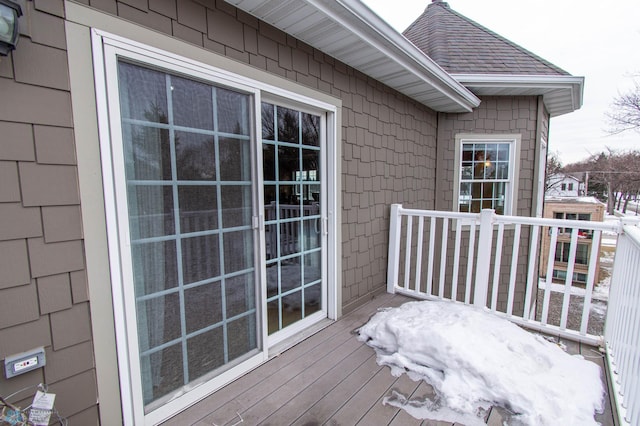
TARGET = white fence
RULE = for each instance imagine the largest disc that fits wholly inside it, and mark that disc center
(622, 332)
(494, 262)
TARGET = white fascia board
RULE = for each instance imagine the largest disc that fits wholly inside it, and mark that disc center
(571, 87)
(396, 46)
(369, 28)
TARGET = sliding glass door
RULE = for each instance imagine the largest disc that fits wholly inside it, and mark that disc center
(217, 214)
(188, 169)
(293, 197)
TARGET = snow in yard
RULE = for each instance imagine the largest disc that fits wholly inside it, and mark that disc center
(474, 360)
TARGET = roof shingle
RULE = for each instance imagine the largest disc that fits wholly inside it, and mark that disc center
(462, 46)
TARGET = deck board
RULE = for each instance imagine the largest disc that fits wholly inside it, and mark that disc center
(320, 410)
(382, 414)
(330, 378)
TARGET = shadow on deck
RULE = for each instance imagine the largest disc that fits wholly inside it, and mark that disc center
(330, 378)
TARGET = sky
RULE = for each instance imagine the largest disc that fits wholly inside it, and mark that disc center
(474, 360)
(598, 40)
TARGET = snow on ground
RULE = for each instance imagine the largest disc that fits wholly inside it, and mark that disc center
(474, 360)
(600, 292)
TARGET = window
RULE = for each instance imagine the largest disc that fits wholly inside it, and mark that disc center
(582, 233)
(486, 177)
(582, 253)
(570, 186)
(186, 147)
(563, 187)
(562, 275)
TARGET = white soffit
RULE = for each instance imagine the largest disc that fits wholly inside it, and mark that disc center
(561, 94)
(350, 32)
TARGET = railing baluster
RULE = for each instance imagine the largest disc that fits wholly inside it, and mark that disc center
(394, 248)
(569, 279)
(551, 257)
(483, 263)
(593, 260)
(531, 276)
(407, 253)
(470, 257)
(456, 260)
(443, 256)
(514, 269)
(432, 238)
(417, 287)
(496, 268)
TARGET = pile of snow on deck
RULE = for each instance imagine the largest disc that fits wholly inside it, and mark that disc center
(474, 360)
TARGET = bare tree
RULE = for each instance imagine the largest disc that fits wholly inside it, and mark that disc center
(554, 167)
(625, 110)
(614, 176)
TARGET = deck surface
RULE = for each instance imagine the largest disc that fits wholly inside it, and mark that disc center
(330, 378)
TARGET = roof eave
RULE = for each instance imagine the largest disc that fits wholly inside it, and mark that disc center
(561, 94)
(398, 63)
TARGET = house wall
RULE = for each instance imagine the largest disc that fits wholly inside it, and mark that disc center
(388, 145)
(524, 116)
(43, 286)
(556, 183)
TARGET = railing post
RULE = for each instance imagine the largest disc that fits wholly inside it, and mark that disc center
(483, 262)
(393, 263)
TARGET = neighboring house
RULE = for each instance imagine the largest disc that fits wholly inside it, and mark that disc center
(563, 185)
(187, 185)
(572, 208)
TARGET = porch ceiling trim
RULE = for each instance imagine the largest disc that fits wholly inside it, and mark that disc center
(350, 32)
(561, 94)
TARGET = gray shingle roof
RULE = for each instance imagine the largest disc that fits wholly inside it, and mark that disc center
(462, 46)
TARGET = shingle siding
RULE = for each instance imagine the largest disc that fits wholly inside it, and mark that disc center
(43, 293)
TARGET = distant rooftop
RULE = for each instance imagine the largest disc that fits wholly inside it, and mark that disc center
(572, 200)
(462, 46)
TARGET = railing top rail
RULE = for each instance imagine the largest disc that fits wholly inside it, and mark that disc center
(438, 213)
(611, 226)
(633, 232)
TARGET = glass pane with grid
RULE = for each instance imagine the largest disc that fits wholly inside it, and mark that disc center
(189, 194)
(292, 197)
(484, 177)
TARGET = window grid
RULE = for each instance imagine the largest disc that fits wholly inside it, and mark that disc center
(299, 218)
(582, 253)
(178, 237)
(584, 233)
(484, 176)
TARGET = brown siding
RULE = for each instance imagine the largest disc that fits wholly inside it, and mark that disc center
(42, 285)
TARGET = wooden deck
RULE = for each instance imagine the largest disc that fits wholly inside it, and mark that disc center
(330, 378)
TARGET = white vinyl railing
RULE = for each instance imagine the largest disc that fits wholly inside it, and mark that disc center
(622, 331)
(485, 259)
(494, 262)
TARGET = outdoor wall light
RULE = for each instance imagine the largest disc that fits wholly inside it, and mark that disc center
(9, 13)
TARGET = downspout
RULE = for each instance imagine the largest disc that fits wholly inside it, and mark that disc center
(540, 116)
(538, 169)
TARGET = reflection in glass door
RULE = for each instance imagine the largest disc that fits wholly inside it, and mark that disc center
(187, 161)
(291, 149)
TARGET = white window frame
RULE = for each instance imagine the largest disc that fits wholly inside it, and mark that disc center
(511, 190)
(106, 49)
